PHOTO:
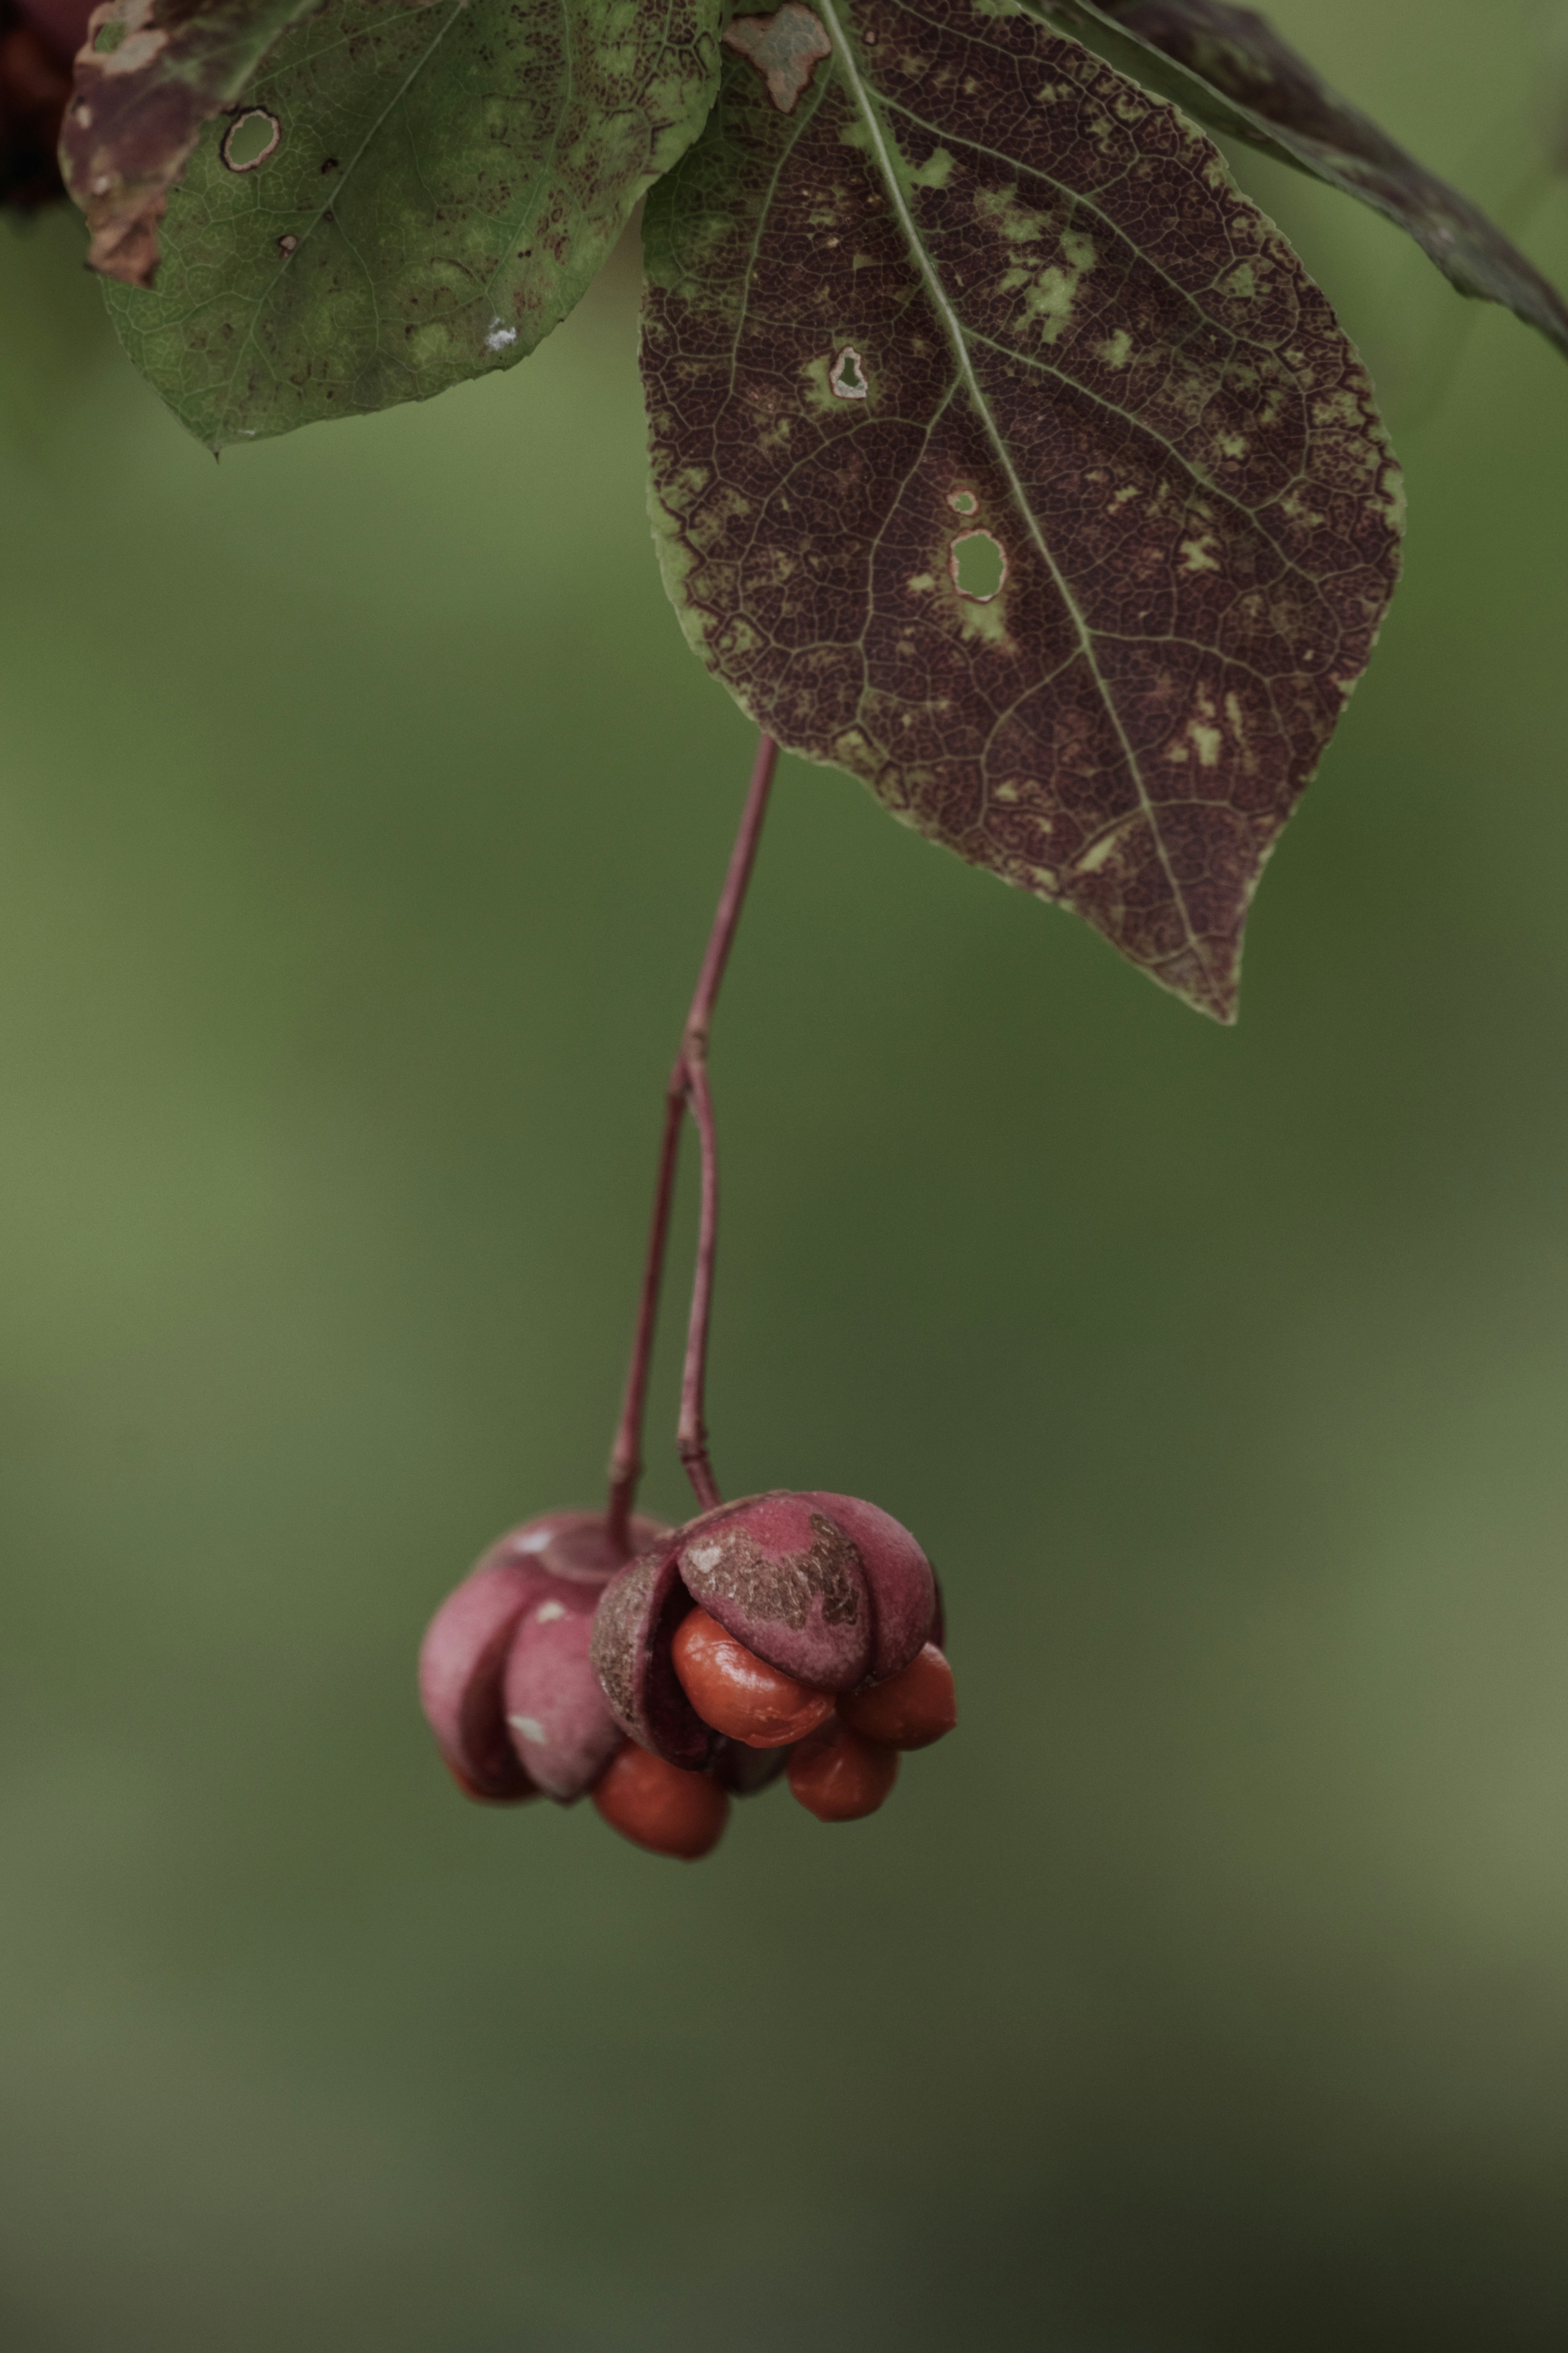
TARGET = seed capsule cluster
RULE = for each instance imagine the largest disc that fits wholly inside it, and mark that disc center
(790, 1633)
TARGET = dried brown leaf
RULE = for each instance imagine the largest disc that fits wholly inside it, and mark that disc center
(1003, 455)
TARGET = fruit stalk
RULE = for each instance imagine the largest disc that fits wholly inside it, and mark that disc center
(688, 1092)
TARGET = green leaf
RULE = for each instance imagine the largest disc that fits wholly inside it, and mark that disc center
(1229, 68)
(150, 75)
(445, 182)
(1003, 455)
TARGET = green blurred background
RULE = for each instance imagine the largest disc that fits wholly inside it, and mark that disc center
(361, 813)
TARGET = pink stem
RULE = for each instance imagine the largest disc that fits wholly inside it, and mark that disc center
(625, 1457)
(691, 1431)
(687, 1091)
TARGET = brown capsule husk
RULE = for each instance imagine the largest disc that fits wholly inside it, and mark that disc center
(633, 1626)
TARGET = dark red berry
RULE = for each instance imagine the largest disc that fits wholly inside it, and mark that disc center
(739, 1693)
(657, 1806)
(909, 1710)
(839, 1777)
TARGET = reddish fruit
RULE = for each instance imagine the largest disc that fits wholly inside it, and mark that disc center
(739, 1693)
(464, 1658)
(657, 1806)
(462, 1661)
(825, 1587)
(634, 1629)
(839, 1777)
(909, 1710)
(556, 1711)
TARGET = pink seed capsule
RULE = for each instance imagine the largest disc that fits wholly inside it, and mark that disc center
(634, 1629)
(826, 1587)
(463, 1659)
(560, 1724)
(462, 1664)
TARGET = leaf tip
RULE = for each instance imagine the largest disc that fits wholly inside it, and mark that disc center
(1208, 977)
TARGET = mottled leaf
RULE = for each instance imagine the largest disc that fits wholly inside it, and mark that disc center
(1005, 456)
(1229, 68)
(149, 73)
(442, 183)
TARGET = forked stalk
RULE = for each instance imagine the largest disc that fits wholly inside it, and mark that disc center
(687, 1092)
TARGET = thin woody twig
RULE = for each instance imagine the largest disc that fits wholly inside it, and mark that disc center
(688, 1092)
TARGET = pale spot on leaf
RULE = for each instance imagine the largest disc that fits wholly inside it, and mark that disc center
(935, 172)
(846, 376)
(978, 563)
(785, 49)
(252, 138)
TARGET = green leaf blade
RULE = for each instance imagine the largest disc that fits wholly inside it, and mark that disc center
(975, 294)
(447, 182)
(1230, 70)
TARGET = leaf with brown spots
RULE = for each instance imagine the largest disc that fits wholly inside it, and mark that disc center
(149, 75)
(1229, 68)
(1003, 455)
(408, 196)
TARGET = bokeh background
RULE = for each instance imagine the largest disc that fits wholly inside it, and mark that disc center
(361, 812)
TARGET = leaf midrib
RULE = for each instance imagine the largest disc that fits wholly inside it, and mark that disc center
(957, 336)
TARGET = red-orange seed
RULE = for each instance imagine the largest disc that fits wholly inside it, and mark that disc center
(839, 1777)
(739, 1693)
(657, 1806)
(909, 1710)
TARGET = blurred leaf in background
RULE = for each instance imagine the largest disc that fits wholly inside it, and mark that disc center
(362, 815)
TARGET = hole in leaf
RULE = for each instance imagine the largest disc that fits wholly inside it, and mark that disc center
(978, 564)
(250, 139)
(846, 376)
(107, 37)
(962, 501)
